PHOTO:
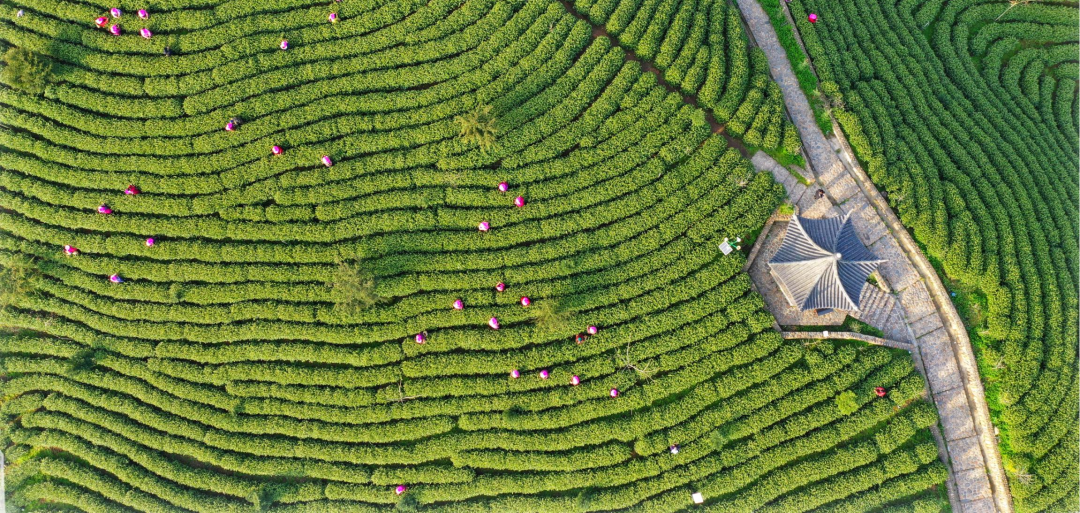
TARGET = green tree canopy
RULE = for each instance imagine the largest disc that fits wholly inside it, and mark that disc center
(846, 403)
(477, 126)
(353, 288)
(25, 70)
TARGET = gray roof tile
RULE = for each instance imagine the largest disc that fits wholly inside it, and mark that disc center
(822, 264)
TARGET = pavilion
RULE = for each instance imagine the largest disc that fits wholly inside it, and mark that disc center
(822, 265)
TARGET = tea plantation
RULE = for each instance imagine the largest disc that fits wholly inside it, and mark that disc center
(966, 114)
(430, 255)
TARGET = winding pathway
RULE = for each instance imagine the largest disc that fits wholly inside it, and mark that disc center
(931, 324)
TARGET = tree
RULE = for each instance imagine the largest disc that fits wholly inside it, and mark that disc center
(83, 359)
(25, 70)
(585, 499)
(17, 279)
(550, 316)
(720, 437)
(264, 496)
(477, 126)
(353, 288)
(513, 414)
(408, 502)
(625, 361)
(846, 403)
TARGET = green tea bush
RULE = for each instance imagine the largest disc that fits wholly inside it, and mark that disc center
(261, 353)
(957, 114)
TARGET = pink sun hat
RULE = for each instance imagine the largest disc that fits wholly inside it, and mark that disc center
(499, 287)
(114, 30)
(483, 226)
(276, 150)
(149, 241)
(503, 186)
(326, 161)
(544, 374)
(493, 323)
(574, 380)
(143, 14)
(614, 392)
(525, 301)
(519, 202)
(515, 374)
(459, 304)
(145, 32)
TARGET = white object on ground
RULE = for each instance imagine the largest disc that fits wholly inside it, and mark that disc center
(725, 248)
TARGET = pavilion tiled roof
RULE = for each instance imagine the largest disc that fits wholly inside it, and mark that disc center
(822, 263)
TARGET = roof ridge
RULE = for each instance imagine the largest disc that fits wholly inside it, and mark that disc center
(811, 270)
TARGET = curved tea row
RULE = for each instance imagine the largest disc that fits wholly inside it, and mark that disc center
(967, 114)
(181, 254)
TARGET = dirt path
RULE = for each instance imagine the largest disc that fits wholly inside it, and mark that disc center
(601, 31)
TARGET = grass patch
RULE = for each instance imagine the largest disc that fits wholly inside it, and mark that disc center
(798, 176)
(971, 306)
(854, 325)
(787, 159)
(800, 63)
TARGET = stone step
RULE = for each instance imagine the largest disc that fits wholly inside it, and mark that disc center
(876, 305)
(883, 311)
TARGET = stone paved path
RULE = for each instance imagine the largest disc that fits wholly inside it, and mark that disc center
(926, 318)
(845, 335)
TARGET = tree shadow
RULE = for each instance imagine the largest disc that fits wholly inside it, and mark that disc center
(66, 52)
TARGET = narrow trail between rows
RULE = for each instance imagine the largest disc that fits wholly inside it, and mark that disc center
(601, 31)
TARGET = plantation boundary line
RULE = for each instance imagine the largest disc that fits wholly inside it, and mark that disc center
(647, 66)
(952, 372)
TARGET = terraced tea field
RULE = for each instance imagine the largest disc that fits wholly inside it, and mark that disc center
(276, 269)
(966, 113)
